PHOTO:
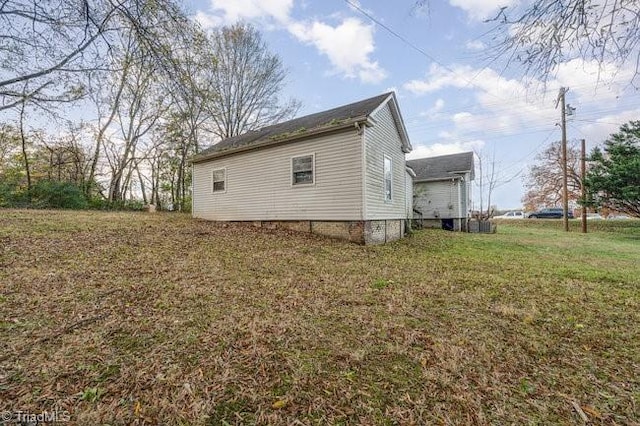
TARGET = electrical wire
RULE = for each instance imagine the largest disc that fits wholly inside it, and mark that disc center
(502, 102)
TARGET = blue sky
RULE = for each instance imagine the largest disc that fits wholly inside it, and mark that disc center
(452, 97)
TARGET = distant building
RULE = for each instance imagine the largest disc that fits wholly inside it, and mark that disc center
(442, 190)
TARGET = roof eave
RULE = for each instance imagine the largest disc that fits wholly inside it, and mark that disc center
(404, 135)
(436, 179)
(349, 123)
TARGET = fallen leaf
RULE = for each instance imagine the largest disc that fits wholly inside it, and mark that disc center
(281, 403)
(592, 411)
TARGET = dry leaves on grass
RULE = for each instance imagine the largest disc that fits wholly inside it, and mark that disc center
(124, 318)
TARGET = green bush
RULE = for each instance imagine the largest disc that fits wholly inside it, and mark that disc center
(43, 194)
(11, 195)
(124, 205)
(186, 205)
(48, 194)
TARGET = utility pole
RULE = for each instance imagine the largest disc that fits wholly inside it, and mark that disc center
(583, 175)
(563, 124)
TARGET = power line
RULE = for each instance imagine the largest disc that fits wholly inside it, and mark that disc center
(442, 64)
(398, 36)
(505, 106)
(427, 55)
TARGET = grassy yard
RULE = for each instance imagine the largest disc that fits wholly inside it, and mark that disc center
(124, 318)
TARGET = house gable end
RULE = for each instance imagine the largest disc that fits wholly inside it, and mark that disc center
(400, 128)
(442, 167)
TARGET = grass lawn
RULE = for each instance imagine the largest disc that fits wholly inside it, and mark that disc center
(131, 318)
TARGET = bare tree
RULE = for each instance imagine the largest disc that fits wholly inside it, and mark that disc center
(191, 86)
(172, 160)
(248, 80)
(138, 110)
(490, 177)
(23, 143)
(544, 180)
(549, 32)
(62, 157)
(52, 45)
(9, 144)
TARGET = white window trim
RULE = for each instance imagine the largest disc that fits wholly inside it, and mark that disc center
(384, 180)
(225, 180)
(313, 170)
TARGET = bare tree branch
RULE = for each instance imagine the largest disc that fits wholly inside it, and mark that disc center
(550, 32)
(248, 80)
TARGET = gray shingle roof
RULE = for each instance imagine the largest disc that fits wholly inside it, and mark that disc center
(443, 166)
(301, 126)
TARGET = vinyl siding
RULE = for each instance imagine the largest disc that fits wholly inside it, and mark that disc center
(258, 185)
(409, 191)
(380, 140)
(433, 199)
(466, 196)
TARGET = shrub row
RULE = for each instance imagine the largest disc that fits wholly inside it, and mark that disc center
(47, 194)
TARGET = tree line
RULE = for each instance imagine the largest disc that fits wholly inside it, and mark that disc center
(153, 88)
(612, 180)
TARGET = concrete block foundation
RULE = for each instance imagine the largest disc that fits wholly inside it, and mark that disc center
(456, 224)
(356, 231)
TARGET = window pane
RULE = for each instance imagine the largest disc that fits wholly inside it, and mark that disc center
(302, 168)
(218, 177)
(303, 177)
(302, 164)
(388, 179)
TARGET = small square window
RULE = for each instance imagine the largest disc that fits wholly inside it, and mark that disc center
(219, 178)
(302, 169)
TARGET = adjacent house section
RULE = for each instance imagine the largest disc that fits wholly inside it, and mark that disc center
(339, 172)
(442, 190)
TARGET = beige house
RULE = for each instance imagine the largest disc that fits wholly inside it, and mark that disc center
(339, 173)
(442, 190)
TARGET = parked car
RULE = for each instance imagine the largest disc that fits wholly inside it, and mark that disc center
(618, 217)
(516, 214)
(549, 213)
(593, 216)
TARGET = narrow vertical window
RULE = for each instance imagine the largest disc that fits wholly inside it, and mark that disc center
(302, 170)
(388, 180)
(219, 177)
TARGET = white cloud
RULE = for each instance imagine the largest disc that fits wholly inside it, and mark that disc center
(503, 106)
(462, 117)
(433, 113)
(348, 46)
(444, 148)
(438, 78)
(438, 105)
(600, 129)
(482, 9)
(475, 45)
(590, 79)
(236, 10)
(207, 21)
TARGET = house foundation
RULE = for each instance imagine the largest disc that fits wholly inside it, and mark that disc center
(448, 224)
(364, 232)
